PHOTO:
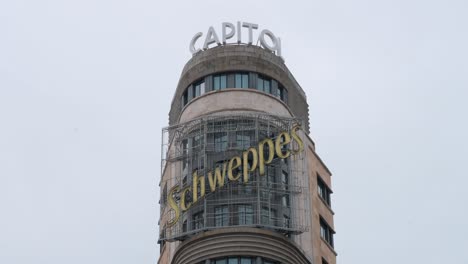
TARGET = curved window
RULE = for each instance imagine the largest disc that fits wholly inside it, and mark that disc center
(244, 80)
(264, 84)
(241, 260)
(241, 80)
(219, 82)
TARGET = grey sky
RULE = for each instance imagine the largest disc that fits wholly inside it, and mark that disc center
(85, 88)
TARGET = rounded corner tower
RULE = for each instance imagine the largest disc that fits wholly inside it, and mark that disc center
(240, 180)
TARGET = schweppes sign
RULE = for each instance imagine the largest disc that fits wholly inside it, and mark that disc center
(257, 157)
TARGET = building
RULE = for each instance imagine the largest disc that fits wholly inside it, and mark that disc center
(241, 181)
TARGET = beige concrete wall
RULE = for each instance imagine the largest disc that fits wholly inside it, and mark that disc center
(231, 101)
(321, 249)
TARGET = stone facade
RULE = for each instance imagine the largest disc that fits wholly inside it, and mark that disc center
(259, 244)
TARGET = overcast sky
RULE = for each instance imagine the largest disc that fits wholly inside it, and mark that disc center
(86, 86)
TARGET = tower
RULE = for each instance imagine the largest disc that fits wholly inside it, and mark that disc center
(240, 179)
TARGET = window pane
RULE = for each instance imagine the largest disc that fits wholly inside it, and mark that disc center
(220, 140)
(266, 85)
(223, 81)
(221, 261)
(260, 84)
(216, 82)
(221, 216)
(245, 80)
(238, 81)
(233, 261)
(246, 260)
(245, 215)
(202, 88)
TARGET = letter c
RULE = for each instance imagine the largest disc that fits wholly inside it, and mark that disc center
(192, 48)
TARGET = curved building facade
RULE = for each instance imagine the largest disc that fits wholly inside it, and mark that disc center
(241, 181)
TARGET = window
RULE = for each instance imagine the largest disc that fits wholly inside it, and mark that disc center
(197, 142)
(235, 260)
(326, 232)
(220, 141)
(323, 190)
(221, 215)
(285, 180)
(246, 215)
(241, 80)
(246, 261)
(197, 221)
(185, 98)
(324, 261)
(281, 93)
(198, 89)
(286, 221)
(241, 260)
(243, 139)
(268, 216)
(264, 84)
(285, 200)
(219, 82)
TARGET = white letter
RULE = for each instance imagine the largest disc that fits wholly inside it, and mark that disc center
(230, 34)
(278, 48)
(251, 27)
(211, 37)
(239, 32)
(261, 37)
(192, 43)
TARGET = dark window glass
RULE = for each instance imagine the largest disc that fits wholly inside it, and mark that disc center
(220, 141)
(246, 261)
(198, 89)
(281, 92)
(241, 80)
(221, 215)
(324, 261)
(197, 142)
(264, 84)
(285, 200)
(243, 139)
(285, 180)
(268, 216)
(233, 261)
(323, 190)
(286, 221)
(326, 232)
(221, 261)
(197, 221)
(246, 215)
(219, 82)
(185, 98)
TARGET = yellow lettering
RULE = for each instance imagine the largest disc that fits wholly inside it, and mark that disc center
(297, 139)
(245, 163)
(184, 206)
(234, 163)
(173, 205)
(261, 156)
(217, 176)
(196, 179)
(280, 144)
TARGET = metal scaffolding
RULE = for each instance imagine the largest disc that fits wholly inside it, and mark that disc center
(278, 200)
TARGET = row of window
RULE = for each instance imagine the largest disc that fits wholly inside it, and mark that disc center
(234, 80)
(244, 215)
(323, 191)
(326, 232)
(241, 260)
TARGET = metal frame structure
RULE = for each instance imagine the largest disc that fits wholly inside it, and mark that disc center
(278, 200)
